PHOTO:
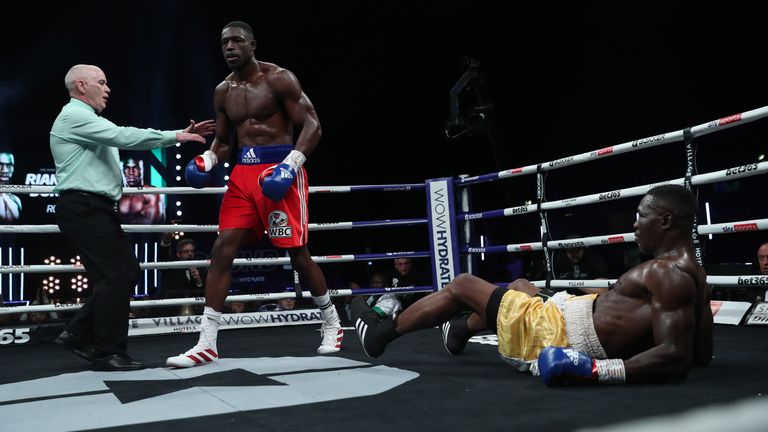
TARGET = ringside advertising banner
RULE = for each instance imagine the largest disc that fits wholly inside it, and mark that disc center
(46, 333)
(191, 323)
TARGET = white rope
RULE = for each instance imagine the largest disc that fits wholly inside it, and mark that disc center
(564, 283)
(750, 280)
(734, 227)
(700, 179)
(53, 229)
(156, 303)
(176, 301)
(703, 129)
(29, 189)
(640, 144)
(756, 280)
(565, 244)
(722, 228)
(272, 261)
(184, 190)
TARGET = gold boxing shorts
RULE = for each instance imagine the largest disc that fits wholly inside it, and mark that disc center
(525, 325)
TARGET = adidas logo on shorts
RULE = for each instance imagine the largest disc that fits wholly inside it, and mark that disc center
(250, 157)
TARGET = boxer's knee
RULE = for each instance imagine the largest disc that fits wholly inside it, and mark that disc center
(462, 283)
(523, 285)
(223, 254)
(301, 260)
(459, 286)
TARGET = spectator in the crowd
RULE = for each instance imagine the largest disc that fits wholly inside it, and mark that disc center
(184, 282)
(281, 305)
(236, 307)
(760, 267)
(383, 304)
(135, 313)
(762, 259)
(286, 304)
(39, 317)
(35, 318)
(406, 275)
(579, 263)
(378, 280)
(3, 317)
(340, 281)
(343, 303)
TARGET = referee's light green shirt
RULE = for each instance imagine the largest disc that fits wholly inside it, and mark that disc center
(85, 149)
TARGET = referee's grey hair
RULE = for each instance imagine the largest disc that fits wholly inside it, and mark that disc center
(75, 73)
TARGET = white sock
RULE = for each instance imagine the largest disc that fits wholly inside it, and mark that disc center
(209, 328)
(326, 308)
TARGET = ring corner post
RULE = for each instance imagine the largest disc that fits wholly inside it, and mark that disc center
(443, 233)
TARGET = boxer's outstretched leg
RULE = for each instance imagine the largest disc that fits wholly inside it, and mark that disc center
(463, 292)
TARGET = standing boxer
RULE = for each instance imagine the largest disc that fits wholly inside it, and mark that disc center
(258, 106)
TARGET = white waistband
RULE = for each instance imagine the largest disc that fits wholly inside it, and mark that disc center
(580, 327)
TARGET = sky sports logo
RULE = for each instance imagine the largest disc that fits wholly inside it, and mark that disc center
(602, 152)
(613, 239)
(724, 121)
(752, 226)
(730, 119)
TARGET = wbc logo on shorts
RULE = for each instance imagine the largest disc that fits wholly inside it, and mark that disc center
(278, 225)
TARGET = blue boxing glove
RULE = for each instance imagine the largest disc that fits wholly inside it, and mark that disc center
(562, 365)
(198, 169)
(276, 185)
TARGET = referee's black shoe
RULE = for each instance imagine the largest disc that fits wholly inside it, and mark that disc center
(78, 346)
(117, 363)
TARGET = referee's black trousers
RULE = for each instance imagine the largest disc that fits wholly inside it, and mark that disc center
(91, 224)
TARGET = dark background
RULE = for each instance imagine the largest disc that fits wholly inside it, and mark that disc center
(562, 80)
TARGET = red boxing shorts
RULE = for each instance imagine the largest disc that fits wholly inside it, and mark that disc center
(245, 206)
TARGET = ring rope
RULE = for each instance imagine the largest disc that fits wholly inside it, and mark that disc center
(601, 240)
(703, 129)
(691, 178)
(734, 173)
(78, 268)
(750, 280)
(201, 300)
(557, 283)
(184, 190)
(324, 226)
(638, 144)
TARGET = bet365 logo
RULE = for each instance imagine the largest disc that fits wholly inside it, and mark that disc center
(14, 336)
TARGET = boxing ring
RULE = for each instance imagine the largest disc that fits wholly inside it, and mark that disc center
(263, 375)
